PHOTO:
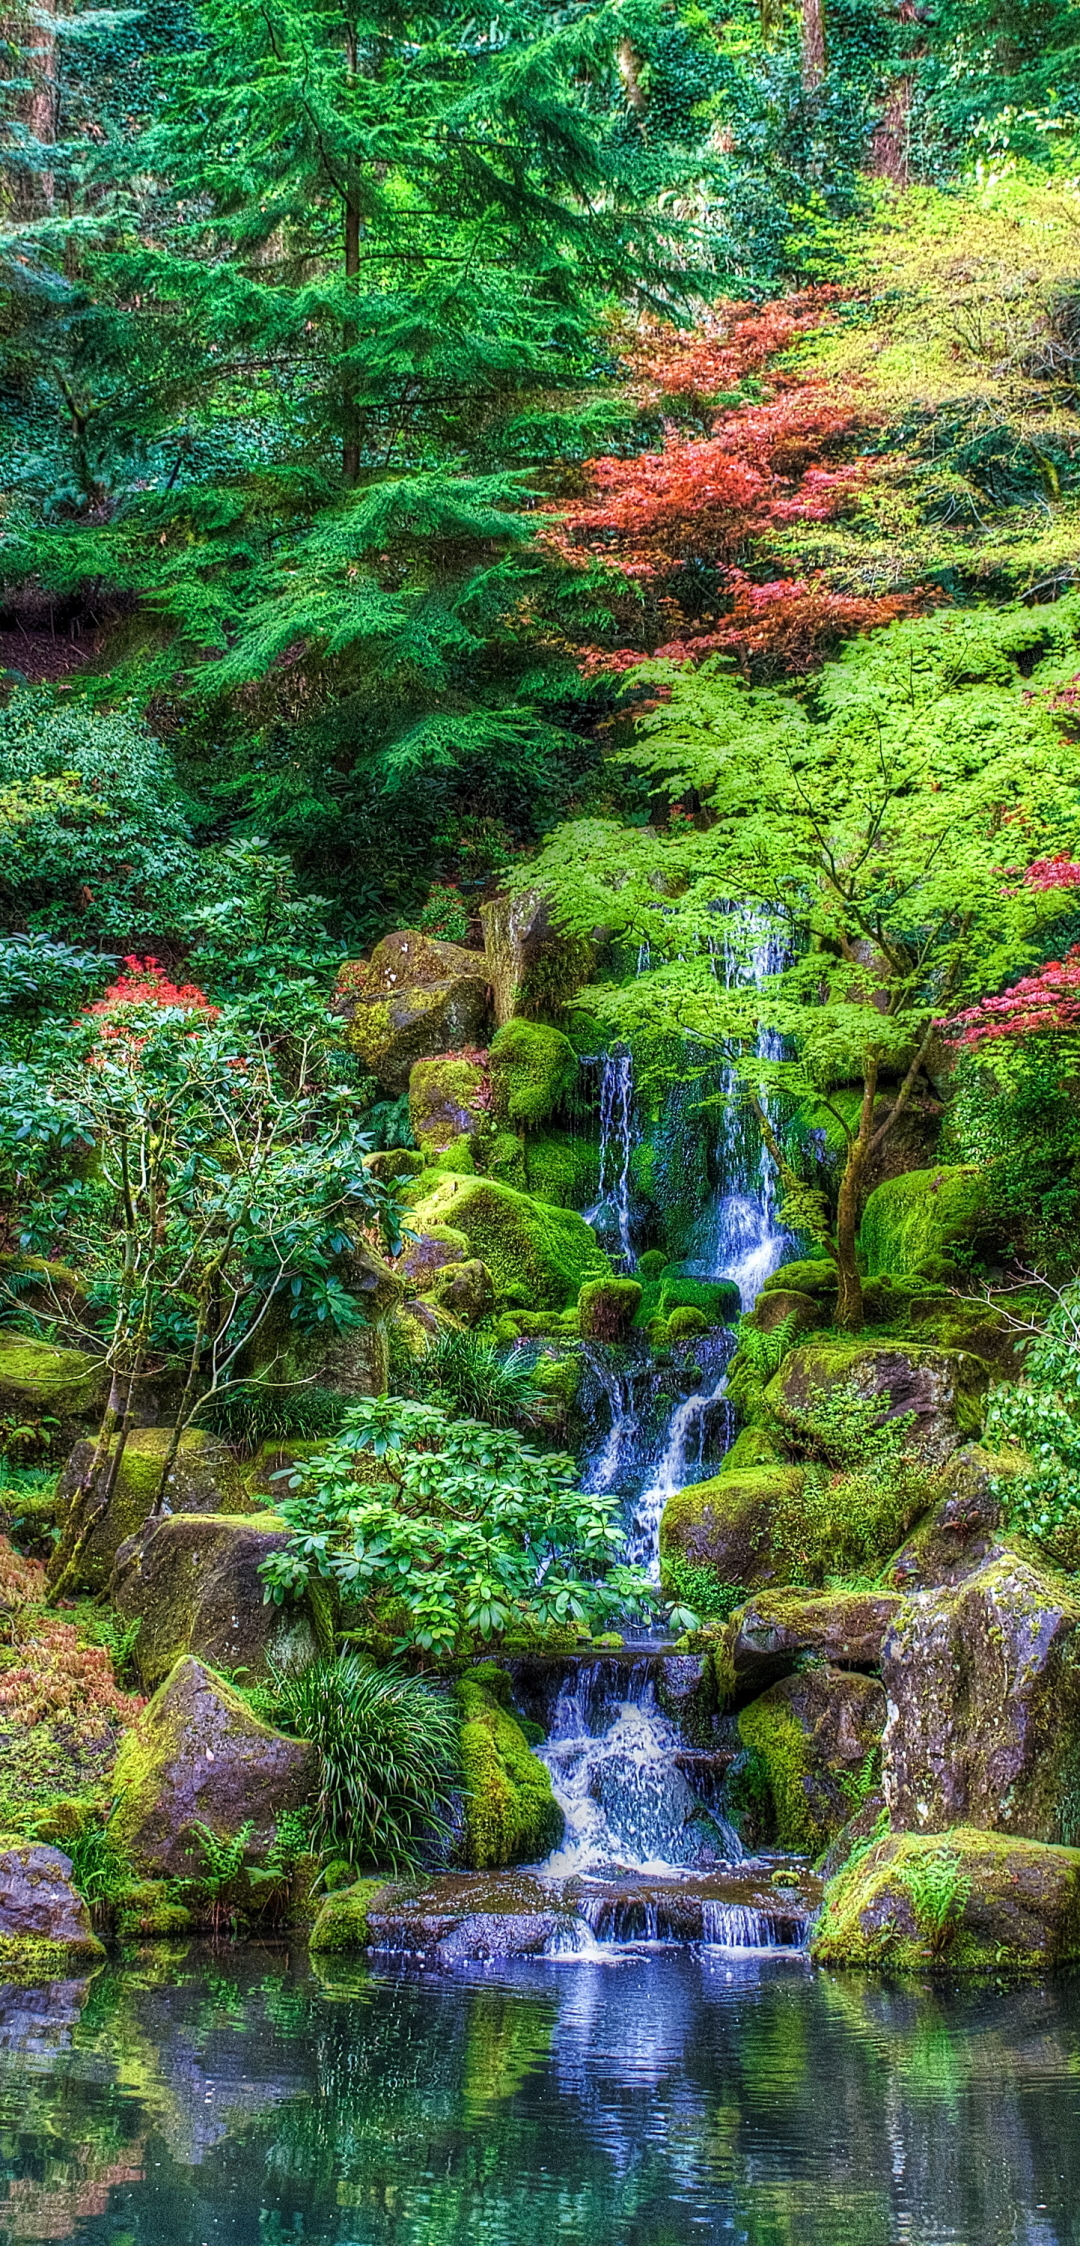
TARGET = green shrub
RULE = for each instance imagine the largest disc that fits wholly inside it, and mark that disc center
(695, 1585)
(250, 1412)
(757, 1357)
(474, 1380)
(388, 1753)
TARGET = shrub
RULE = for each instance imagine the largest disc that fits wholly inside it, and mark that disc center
(473, 1380)
(388, 1753)
(250, 1412)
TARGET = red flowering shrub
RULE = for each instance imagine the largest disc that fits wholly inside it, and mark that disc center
(1053, 873)
(55, 1677)
(145, 983)
(1046, 1001)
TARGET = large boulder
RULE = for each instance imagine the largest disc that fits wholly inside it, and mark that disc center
(449, 1100)
(511, 1814)
(426, 1252)
(193, 1585)
(534, 1069)
(531, 965)
(983, 1683)
(943, 1390)
(962, 1528)
(41, 1383)
(912, 1224)
(416, 995)
(204, 1478)
(466, 1291)
(44, 1922)
(537, 1255)
(811, 1742)
(197, 1755)
(774, 1524)
(765, 1639)
(963, 1901)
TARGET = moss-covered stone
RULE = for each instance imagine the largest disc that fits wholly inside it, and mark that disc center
(415, 996)
(753, 1446)
(717, 1299)
(944, 1390)
(39, 1382)
(652, 1265)
(813, 1740)
(685, 1324)
(342, 1922)
(429, 1251)
(562, 1168)
(779, 1304)
(764, 1525)
(449, 1097)
(197, 1755)
(501, 1154)
(511, 1814)
(39, 1906)
(765, 1639)
(466, 1291)
(193, 1585)
(983, 1679)
(533, 968)
(959, 1901)
(532, 1325)
(533, 1072)
(812, 1275)
(963, 1527)
(204, 1478)
(149, 1912)
(390, 1164)
(913, 1224)
(527, 1245)
(607, 1308)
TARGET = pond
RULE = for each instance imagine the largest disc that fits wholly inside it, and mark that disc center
(232, 2097)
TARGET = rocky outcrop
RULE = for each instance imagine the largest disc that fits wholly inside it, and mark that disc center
(912, 1224)
(204, 1478)
(197, 1755)
(193, 1585)
(39, 1382)
(534, 1069)
(415, 996)
(430, 1251)
(607, 1308)
(763, 1640)
(538, 1256)
(771, 1524)
(531, 965)
(44, 1923)
(962, 1529)
(449, 1100)
(810, 1741)
(959, 1901)
(943, 1390)
(983, 1683)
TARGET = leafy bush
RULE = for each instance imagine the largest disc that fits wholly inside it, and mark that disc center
(698, 1588)
(472, 1379)
(757, 1357)
(469, 1532)
(250, 1412)
(388, 1755)
(1041, 1414)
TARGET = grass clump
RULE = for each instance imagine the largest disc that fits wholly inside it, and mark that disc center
(472, 1379)
(388, 1752)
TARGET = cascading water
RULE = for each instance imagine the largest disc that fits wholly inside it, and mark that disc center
(740, 1236)
(610, 1213)
(612, 1756)
(701, 1418)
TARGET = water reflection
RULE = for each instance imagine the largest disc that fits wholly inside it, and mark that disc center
(237, 2099)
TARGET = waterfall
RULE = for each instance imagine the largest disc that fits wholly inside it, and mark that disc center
(611, 1753)
(610, 1213)
(738, 1926)
(692, 1422)
(740, 1236)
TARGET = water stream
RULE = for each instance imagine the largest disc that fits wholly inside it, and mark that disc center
(610, 1212)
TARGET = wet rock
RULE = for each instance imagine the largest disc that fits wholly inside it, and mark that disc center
(465, 1290)
(962, 1530)
(957, 1901)
(455, 1919)
(415, 996)
(943, 1389)
(811, 1741)
(763, 1640)
(39, 1905)
(198, 1755)
(607, 1308)
(983, 1683)
(193, 1585)
(38, 2017)
(204, 1478)
(341, 1921)
(870, 1815)
(735, 1523)
(530, 963)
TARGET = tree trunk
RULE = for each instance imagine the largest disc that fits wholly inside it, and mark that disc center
(813, 44)
(30, 37)
(849, 1301)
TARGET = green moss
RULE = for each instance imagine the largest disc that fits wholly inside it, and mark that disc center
(772, 1735)
(651, 1265)
(815, 1275)
(902, 1904)
(38, 1381)
(148, 1911)
(753, 1446)
(528, 1246)
(533, 1071)
(686, 1323)
(607, 1308)
(28, 1960)
(502, 1156)
(717, 1299)
(563, 1169)
(342, 1923)
(447, 1101)
(204, 1478)
(511, 1815)
(912, 1224)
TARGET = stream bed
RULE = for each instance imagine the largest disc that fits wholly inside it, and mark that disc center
(222, 2096)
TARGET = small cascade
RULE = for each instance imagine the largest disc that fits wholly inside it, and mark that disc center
(738, 1926)
(706, 1416)
(740, 1236)
(612, 1756)
(610, 1213)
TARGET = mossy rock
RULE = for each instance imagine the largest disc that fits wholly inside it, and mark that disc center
(342, 1921)
(38, 1381)
(769, 1525)
(465, 1291)
(502, 1155)
(265, 1473)
(415, 996)
(562, 1168)
(607, 1308)
(959, 1901)
(765, 1639)
(686, 1324)
(913, 1224)
(812, 1275)
(448, 1101)
(511, 1814)
(193, 1585)
(526, 1245)
(429, 1251)
(537, 1325)
(197, 1755)
(943, 1389)
(204, 1478)
(148, 1911)
(534, 1069)
(40, 1909)
(717, 1299)
(391, 1164)
(753, 1446)
(812, 1739)
(782, 1303)
(964, 1526)
(532, 966)
(652, 1265)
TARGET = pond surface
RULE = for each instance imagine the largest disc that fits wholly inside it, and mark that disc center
(235, 2098)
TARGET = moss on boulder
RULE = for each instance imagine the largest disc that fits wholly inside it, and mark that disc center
(38, 1381)
(534, 1069)
(753, 1446)
(777, 1304)
(685, 1324)
(717, 1299)
(962, 1528)
(342, 1921)
(204, 1478)
(562, 1168)
(912, 1224)
(983, 1679)
(765, 1639)
(449, 1097)
(44, 1923)
(533, 968)
(529, 1247)
(607, 1308)
(766, 1525)
(466, 1291)
(810, 1740)
(415, 996)
(430, 1251)
(810, 1275)
(959, 1901)
(197, 1755)
(511, 1814)
(192, 1583)
(943, 1389)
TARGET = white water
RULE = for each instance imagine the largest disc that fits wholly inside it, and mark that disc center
(610, 1213)
(627, 1805)
(736, 1926)
(682, 1462)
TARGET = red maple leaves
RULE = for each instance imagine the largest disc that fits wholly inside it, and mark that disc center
(1047, 1001)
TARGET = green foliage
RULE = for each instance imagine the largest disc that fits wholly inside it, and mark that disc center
(939, 1892)
(250, 1412)
(758, 1355)
(471, 1379)
(1040, 1414)
(470, 1533)
(388, 1756)
(698, 1590)
(98, 1871)
(1016, 1114)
